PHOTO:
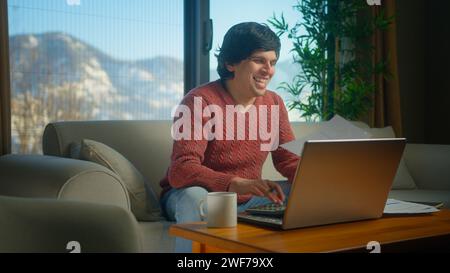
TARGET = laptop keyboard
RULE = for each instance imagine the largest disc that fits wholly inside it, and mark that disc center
(272, 209)
(273, 221)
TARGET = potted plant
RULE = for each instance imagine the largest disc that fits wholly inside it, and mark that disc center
(333, 47)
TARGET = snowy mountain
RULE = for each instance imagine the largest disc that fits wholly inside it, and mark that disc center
(146, 89)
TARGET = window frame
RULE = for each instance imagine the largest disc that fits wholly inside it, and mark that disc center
(198, 31)
(5, 87)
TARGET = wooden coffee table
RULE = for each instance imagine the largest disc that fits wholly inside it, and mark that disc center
(430, 232)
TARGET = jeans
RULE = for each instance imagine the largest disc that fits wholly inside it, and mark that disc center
(182, 205)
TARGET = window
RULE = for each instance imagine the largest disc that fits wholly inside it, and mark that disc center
(84, 60)
(225, 14)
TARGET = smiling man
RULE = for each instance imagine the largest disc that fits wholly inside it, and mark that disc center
(200, 164)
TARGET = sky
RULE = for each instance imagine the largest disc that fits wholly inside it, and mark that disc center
(138, 29)
(124, 29)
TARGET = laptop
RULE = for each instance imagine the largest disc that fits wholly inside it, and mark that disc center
(337, 181)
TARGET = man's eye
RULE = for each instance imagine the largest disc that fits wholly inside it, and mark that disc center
(263, 61)
(259, 61)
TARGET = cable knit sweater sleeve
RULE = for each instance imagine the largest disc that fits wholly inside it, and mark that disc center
(284, 161)
(186, 167)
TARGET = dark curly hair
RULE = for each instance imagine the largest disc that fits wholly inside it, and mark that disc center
(241, 41)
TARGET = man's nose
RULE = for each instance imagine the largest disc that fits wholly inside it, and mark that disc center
(268, 67)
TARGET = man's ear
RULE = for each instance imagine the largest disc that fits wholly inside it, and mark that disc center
(229, 67)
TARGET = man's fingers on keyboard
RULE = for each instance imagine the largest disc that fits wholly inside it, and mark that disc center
(277, 190)
(274, 197)
(281, 195)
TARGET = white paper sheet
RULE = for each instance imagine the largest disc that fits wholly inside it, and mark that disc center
(394, 206)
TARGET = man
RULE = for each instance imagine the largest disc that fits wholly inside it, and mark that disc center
(225, 155)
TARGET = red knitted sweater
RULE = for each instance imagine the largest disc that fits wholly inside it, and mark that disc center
(213, 163)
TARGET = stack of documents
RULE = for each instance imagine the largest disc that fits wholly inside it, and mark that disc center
(394, 206)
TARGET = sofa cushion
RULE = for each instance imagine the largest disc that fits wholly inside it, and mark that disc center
(144, 203)
(403, 179)
(429, 165)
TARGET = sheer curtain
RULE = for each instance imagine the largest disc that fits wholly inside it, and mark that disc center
(386, 109)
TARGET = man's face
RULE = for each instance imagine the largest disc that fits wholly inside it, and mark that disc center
(253, 74)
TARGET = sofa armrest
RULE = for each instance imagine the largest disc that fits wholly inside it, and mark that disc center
(46, 225)
(60, 178)
(429, 165)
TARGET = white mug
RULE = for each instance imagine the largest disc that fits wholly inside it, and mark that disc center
(222, 209)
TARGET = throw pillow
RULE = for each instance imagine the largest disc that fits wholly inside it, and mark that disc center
(75, 149)
(403, 179)
(144, 203)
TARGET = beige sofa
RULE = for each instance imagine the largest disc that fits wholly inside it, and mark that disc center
(147, 145)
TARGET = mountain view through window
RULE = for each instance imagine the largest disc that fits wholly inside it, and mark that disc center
(86, 60)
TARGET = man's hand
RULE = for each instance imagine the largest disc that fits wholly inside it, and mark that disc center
(258, 187)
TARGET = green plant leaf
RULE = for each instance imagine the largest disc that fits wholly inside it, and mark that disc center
(319, 20)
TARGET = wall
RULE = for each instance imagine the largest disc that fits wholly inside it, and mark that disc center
(424, 73)
(411, 66)
(437, 108)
